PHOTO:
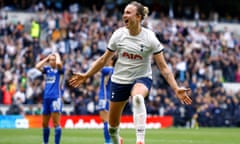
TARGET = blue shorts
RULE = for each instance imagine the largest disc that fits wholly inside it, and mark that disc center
(103, 104)
(52, 105)
(121, 92)
(103, 99)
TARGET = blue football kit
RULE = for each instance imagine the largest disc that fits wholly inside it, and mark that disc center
(52, 91)
(105, 88)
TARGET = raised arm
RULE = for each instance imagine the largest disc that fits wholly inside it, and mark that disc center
(41, 63)
(58, 61)
(181, 93)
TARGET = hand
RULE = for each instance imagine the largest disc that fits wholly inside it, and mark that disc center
(77, 79)
(48, 57)
(183, 96)
(56, 54)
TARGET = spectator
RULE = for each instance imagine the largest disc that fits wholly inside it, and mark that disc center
(30, 110)
(19, 96)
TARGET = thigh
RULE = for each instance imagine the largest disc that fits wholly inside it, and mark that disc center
(56, 118)
(45, 121)
(46, 107)
(141, 86)
(115, 112)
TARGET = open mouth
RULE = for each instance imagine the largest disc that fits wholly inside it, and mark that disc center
(126, 21)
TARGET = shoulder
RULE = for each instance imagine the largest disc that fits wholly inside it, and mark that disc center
(148, 32)
(120, 31)
(62, 70)
(107, 69)
(150, 36)
(46, 67)
(118, 35)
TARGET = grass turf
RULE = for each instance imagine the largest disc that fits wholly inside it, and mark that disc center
(153, 136)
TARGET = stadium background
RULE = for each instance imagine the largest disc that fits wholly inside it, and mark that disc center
(202, 47)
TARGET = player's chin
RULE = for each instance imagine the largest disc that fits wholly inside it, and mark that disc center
(127, 25)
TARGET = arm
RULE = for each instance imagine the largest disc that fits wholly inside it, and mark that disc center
(181, 93)
(165, 71)
(78, 79)
(58, 61)
(40, 64)
(99, 63)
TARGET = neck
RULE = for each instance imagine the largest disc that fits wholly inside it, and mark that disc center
(135, 31)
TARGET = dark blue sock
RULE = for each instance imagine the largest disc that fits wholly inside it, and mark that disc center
(106, 134)
(58, 133)
(46, 132)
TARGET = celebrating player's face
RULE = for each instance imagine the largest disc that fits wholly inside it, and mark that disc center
(130, 17)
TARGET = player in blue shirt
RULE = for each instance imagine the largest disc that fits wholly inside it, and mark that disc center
(52, 104)
(104, 96)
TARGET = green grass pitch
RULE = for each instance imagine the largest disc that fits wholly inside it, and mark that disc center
(153, 136)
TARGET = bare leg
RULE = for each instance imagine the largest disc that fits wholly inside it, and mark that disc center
(115, 113)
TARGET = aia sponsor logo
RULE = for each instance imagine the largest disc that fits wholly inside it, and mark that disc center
(132, 56)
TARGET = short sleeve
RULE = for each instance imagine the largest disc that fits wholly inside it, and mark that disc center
(62, 71)
(106, 70)
(113, 40)
(156, 45)
(45, 68)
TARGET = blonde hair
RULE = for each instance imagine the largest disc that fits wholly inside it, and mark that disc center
(145, 11)
(141, 10)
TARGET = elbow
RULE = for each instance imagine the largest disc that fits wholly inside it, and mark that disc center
(59, 66)
(37, 67)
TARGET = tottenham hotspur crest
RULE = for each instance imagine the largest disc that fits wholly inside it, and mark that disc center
(113, 94)
(141, 47)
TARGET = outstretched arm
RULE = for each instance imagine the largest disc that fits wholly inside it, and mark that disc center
(78, 78)
(181, 93)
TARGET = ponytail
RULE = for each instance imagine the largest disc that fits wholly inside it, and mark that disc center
(141, 10)
(145, 12)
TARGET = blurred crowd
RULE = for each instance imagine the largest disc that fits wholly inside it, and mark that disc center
(199, 56)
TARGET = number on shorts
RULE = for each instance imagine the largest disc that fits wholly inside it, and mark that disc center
(102, 104)
(56, 104)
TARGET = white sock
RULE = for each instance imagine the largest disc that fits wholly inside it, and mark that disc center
(114, 133)
(139, 116)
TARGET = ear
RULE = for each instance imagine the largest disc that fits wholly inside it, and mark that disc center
(138, 17)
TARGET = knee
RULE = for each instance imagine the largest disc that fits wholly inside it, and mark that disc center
(138, 99)
(44, 124)
(55, 123)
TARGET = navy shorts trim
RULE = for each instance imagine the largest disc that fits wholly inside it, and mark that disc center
(121, 92)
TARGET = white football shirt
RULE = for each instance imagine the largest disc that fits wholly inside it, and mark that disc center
(134, 54)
